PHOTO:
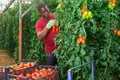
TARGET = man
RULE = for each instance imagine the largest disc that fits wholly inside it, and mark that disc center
(45, 33)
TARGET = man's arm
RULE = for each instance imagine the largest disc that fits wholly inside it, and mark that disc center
(42, 34)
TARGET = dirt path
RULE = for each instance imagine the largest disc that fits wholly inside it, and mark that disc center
(5, 59)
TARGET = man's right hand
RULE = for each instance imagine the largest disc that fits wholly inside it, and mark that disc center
(50, 24)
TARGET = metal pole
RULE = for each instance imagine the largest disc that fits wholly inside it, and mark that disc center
(27, 11)
(20, 30)
(92, 70)
(70, 75)
(20, 26)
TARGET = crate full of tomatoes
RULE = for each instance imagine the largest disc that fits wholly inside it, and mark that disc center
(24, 63)
(22, 66)
(36, 73)
(16, 68)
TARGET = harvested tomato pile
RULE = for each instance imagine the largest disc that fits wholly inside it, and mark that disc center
(22, 65)
(35, 73)
(28, 70)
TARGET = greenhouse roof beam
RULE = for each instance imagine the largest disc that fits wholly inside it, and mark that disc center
(27, 11)
(7, 6)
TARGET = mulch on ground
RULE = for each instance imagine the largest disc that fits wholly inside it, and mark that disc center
(5, 59)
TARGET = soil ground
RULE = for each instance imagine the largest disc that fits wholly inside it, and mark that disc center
(5, 59)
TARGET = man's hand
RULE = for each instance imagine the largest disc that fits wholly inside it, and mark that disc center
(50, 24)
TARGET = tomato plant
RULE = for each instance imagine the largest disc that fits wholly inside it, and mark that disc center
(96, 21)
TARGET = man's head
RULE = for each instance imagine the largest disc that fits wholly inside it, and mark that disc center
(43, 10)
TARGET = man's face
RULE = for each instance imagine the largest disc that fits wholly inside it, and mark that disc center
(44, 12)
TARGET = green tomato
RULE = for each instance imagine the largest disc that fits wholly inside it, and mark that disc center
(90, 14)
(110, 6)
(87, 16)
(113, 5)
(83, 16)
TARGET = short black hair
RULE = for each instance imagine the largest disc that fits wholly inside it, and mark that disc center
(41, 5)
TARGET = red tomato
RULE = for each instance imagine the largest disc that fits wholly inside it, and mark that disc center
(21, 75)
(50, 70)
(43, 69)
(34, 77)
(40, 75)
(17, 72)
(33, 74)
(55, 30)
(118, 33)
(29, 75)
(29, 64)
(20, 79)
(83, 9)
(48, 78)
(32, 64)
(21, 65)
(37, 70)
(115, 31)
(53, 27)
(54, 76)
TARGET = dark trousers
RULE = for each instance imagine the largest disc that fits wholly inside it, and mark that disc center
(51, 59)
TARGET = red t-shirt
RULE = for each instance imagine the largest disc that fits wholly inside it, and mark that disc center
(49, 40)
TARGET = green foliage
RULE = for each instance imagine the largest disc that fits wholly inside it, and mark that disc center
(102, 45)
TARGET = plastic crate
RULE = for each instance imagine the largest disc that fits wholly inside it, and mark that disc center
(24, 62)
(3, 72)
(53, 75)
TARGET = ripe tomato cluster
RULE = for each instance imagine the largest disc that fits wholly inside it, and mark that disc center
(81, 39)
(55, 28)
(22, 65)
(117, 32)
(41, 73)
(111, 4)
(86, 13)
